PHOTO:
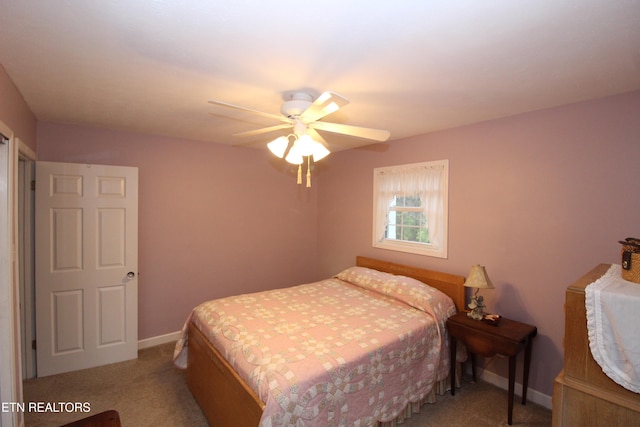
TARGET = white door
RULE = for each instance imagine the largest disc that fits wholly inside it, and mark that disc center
(86, 266)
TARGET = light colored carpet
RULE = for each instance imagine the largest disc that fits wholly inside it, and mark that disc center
(149, 391)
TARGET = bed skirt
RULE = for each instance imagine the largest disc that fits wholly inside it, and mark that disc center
(440, 389)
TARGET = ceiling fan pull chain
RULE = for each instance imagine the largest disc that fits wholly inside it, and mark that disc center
(300, 173)
(308, 171)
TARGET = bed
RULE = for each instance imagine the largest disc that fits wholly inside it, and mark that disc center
(369, 346)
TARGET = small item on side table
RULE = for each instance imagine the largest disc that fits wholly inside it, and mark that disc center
(492, 319)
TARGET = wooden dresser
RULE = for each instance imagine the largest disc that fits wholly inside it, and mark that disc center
(582, 394)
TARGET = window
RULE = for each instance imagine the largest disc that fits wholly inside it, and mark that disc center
(410, 208)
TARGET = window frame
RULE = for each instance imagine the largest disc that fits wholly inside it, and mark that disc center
(396, 219)
(437, 248)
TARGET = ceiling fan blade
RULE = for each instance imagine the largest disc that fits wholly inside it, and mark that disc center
(360, 132)
(324, 105)
(317, 137)
(250, 110)
(263, 130)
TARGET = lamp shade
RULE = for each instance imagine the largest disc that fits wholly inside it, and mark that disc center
(320, 151)
(295, 156)
(278, 146)
(478, 278)
(305, 144)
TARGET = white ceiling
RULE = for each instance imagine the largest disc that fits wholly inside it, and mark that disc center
(410, 67)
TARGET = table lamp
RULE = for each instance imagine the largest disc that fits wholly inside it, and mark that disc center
(477, 279)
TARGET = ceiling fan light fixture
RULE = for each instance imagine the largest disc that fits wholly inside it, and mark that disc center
(295, 155)
(320, 152)
(302, 114)
(303, 146)
(279, 146)
(306, 145)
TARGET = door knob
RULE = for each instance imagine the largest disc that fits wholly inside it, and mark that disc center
(131, 275)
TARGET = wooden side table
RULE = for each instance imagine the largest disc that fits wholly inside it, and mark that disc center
(508, 338)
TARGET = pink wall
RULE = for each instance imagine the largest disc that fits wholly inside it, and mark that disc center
(15, 113)
(538, 198)
(214, 220)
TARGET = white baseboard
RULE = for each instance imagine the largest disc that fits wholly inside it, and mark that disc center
(503, 383)
(160, 339)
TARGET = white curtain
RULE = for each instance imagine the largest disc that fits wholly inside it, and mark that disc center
(426, 180)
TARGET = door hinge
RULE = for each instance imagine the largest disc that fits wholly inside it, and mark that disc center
(33, 185)
(33, 344)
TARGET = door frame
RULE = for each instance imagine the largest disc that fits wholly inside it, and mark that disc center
(26, 259)
(10, 353)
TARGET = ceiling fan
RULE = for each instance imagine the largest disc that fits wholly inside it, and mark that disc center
(302, 113)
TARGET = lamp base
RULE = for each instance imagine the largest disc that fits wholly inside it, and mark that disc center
(477, 313)
(477, 307)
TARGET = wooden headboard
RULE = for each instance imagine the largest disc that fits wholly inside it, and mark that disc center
(450, 284)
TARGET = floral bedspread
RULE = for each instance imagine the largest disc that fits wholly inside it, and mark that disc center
(350, 350)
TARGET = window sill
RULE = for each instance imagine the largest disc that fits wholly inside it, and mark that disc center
(410, 247)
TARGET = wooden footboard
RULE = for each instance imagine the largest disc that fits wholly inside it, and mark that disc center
(223, 396)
